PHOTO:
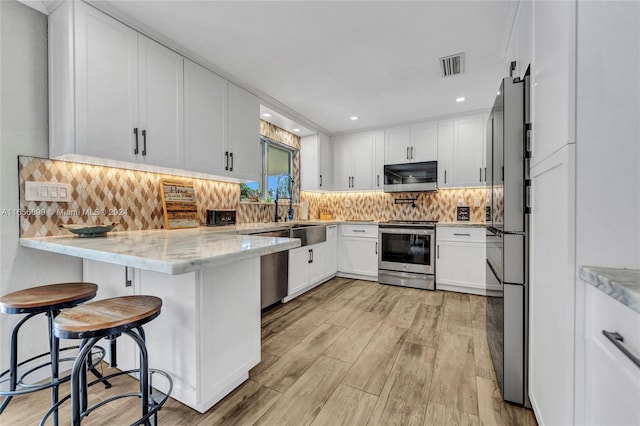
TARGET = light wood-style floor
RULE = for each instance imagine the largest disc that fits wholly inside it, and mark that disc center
(346, 353)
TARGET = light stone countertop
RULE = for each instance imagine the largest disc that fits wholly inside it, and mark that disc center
(621, 284)
(463, 224)
(171, 252)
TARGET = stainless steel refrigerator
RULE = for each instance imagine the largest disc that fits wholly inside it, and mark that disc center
(507, 243)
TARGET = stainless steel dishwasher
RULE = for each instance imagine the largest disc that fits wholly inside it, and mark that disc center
(274, 272)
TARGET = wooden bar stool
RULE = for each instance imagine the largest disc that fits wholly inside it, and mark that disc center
(109, 318)
(48, 300)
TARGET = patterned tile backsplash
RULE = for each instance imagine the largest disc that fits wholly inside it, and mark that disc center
(132, 198)
(379, 206)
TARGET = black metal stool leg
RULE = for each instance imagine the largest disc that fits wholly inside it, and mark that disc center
(144, 370)
(78, 385)
(13, 361)
(54, 346)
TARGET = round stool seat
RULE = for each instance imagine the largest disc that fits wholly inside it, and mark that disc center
(47, 297)
(106, 317)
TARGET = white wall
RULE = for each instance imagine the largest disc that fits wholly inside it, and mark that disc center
(23, 130)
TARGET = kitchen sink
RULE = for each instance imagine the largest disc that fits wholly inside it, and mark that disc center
(308, 233)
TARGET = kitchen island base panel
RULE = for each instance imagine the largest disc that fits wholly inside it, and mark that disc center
(208, 336)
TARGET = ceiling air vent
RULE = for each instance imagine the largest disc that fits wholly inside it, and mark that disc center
(452, 65)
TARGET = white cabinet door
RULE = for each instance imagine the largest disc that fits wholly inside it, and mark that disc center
(468, 151)
(552, 293)
(114, 281)
(362, 161)
(317, 268)
(445, 154)
(378, 153)
(161, 85)
(612, 379)
(244, 134)
(424, 143)
(341, 164)
(106, 84)
(205, 119)
(397, 145)
(358, 256)
(331, 251)
(461, 259)
(298, 269)
(553, 77)
(315, 162)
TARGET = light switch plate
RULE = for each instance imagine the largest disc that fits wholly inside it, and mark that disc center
(47, 191)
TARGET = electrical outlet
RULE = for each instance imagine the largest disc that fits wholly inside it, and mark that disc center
(47, 191)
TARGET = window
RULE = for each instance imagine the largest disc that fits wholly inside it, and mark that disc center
(276, 163)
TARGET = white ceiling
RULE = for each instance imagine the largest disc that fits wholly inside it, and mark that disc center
(325, 61)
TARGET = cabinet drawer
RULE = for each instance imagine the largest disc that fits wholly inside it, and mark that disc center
(606, 313)
(369, 231)
(458, 233)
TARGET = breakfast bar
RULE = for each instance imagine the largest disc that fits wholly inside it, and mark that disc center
(208, 334)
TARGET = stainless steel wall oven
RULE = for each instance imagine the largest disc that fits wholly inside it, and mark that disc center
(406, 254)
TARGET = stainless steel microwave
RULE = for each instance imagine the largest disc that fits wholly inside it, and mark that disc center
(411, 177)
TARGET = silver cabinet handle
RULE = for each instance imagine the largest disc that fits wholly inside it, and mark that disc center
(135, 132)
(463, 235)
(617, 339)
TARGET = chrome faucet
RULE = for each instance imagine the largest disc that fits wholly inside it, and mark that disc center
(290, 210)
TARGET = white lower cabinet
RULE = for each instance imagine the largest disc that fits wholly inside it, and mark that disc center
(358, 252)
(612, 379)
(460, 260)
(306, 268)
(210, 321)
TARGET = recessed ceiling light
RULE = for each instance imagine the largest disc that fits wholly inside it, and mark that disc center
(353, 118)
(266, 115)
(296, 130)
(461, 99)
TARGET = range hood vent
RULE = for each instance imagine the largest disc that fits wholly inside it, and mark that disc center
(452, 65)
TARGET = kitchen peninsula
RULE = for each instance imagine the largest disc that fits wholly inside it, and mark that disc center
(208, 334)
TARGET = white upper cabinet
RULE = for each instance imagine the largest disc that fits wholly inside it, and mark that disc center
(353, 162)
(468, 151)
(115, 94)
(315, 162)
(160, 105)
(424, 142)
(553, 77)
(99, 117)
(397, 145)
(243, 145)
(445, 154)
(205, 117)
(378, 164)
(461, 148)
(127, 94)
(412, 144)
